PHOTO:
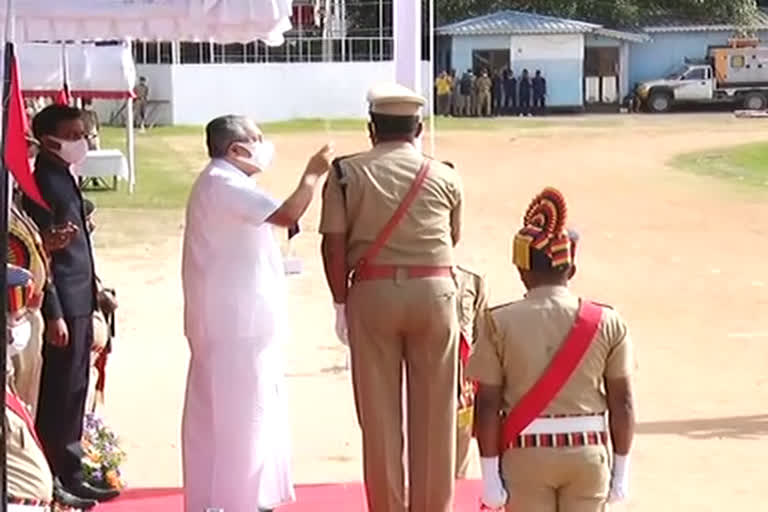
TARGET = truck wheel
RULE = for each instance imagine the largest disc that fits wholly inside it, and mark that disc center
(660, 102)
(755, 101)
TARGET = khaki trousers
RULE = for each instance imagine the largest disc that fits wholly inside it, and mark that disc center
(463, 447)
(28, 364)
(557, 479)
(407, 323)
(483, 104)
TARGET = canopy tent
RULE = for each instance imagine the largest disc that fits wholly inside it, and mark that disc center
(93, 71)
(222, 20)
(90, 71)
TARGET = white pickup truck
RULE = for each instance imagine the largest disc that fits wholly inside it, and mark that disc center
(729, 75)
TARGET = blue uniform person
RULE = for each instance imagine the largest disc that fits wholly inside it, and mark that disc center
(510, 92)
(539, 92)
(524, 96)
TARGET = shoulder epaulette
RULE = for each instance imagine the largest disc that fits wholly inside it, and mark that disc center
(500, 306)
(337, 167)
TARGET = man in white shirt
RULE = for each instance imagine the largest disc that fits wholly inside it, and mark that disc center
(235, 432)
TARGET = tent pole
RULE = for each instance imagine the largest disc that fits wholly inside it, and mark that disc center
(407, 43)
(131, 144)
(4, 211)
(430, 76)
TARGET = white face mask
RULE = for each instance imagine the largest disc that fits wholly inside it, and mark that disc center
(21, 333)
(72, 151)
(262, 154)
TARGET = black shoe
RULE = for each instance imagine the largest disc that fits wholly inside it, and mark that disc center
(66, 499)
(90, 492)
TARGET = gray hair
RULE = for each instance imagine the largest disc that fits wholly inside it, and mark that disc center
(223, 131)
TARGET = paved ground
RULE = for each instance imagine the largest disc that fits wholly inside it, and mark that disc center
(681, 256)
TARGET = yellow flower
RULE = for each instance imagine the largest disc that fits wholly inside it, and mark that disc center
(113, 480)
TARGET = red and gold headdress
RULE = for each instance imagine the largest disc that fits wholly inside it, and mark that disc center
(544, 231)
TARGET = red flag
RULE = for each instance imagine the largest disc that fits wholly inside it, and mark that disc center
(15, 133)
(63, 97)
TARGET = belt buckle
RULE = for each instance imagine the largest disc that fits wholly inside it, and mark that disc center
(400, 275)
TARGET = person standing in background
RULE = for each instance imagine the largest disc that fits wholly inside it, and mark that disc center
(539, 93)
(141, 102)
(524, 97)
(510, 93)
(444, 90)
(92, 125)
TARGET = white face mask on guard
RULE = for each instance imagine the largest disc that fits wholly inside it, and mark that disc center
(72, 151)
(262, 154)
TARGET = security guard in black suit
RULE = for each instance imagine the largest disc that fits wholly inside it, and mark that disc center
(69, 305)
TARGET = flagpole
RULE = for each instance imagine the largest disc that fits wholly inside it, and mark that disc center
(4, 206)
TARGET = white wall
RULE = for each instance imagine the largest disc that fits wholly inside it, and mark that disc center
(277, 92)
(560, 58)
(463, 46)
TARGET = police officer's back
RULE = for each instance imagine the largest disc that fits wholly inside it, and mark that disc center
(400, 303)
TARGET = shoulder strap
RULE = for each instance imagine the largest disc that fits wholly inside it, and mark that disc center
(556, 375)
(386, 232)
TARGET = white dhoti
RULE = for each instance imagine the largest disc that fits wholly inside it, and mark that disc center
(236, 431)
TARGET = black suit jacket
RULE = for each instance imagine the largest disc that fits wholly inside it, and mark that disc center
(72, 268)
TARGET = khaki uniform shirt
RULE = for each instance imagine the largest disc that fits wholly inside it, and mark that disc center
(29, 476)
(484, 85)
(472, 301)
(372, 186)
(142, 93)
(517, 342)
(91, 121)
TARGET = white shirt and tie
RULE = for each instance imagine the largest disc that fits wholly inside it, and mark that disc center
(235, 434)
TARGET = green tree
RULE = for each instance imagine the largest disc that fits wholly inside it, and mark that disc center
(620, 13)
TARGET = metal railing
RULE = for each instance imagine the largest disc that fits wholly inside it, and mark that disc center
(295, 49)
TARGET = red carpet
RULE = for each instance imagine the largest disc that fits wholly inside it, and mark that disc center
(309, 498)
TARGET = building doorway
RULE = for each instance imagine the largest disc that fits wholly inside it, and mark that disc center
(492, 60)
(601, 75)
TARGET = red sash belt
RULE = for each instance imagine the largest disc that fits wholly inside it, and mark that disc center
(557, 374)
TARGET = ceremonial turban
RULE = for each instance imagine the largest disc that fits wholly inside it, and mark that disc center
(544, 243)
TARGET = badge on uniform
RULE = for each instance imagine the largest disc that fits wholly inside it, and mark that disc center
(465, 418)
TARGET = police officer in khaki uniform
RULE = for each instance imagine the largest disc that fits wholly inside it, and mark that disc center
(30, 481)
(484, 84)
(560, 461)
(400, 305)
(472, 300)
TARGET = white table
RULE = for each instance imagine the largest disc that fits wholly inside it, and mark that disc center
(101, 165)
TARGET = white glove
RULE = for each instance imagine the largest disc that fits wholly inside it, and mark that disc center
(341, 323)
(494, 495)
(619, 479)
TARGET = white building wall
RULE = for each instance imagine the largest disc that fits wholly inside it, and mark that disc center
(268, 92)
(560, 57)
(463, 46)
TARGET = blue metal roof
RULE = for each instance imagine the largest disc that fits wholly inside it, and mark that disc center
(515, 22)
(666, 22)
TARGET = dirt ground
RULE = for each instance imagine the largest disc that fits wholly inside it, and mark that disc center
(681, 256)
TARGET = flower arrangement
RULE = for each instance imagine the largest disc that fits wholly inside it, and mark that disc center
(102, 455)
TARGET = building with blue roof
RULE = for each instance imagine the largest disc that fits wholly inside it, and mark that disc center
(584, 63)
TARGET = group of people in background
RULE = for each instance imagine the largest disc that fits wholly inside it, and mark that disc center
(487, 94)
